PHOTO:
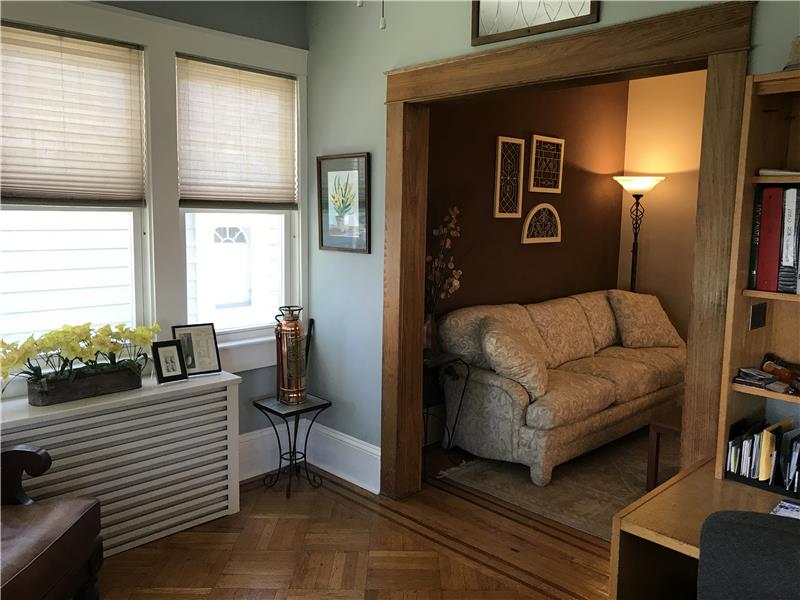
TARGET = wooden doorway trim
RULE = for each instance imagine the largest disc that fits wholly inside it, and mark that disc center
(716, 38)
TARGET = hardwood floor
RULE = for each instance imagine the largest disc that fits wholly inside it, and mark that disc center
(341, 543)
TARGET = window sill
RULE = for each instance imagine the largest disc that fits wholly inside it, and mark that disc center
(247, 354)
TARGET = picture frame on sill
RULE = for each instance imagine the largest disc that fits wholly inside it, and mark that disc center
(169, 361)
(199, 346)
(343, 206)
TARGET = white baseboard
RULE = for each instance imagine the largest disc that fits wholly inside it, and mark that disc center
(333, 451)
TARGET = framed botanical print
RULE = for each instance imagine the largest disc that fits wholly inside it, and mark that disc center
(199, 346)
(547, 164)
(343, 202)
(169, 362)
(497, 20)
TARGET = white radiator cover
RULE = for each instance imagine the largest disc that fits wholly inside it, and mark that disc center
(160, 459)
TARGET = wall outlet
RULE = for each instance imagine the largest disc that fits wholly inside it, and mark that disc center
(758, 315)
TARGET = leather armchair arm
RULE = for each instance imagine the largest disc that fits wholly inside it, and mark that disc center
(30, 459)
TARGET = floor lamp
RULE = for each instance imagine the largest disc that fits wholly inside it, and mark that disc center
(637, 187)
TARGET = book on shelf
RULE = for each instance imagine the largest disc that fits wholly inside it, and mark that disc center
(778, 173)
(790, 235)
(754, 378)
(775, 241)
(765, 453)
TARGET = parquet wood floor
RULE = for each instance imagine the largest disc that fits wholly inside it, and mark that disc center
(341, 543)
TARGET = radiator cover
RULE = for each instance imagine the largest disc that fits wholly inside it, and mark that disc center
(160, 459)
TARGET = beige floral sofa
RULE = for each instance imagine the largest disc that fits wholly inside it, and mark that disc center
(553, 380)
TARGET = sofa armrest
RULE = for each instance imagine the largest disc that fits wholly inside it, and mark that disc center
(519, 396)
(30, 459)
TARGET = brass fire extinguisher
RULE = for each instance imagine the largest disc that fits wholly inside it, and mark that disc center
(291, 354)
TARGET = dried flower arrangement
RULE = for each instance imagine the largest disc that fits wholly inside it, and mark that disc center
(442, 279)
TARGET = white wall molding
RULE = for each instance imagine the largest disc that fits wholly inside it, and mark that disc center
(337, 453)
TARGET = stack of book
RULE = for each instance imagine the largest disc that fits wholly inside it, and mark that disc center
(756, 378)
(775, 243)
(765, 454)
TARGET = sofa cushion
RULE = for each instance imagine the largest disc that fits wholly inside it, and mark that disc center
(459, 331)
(669, 371)
(511, 354)
(43, 542)
(570, 397)
(601, 318)
(630, 379)
(678, 355)
(564, 329)
(641, 320)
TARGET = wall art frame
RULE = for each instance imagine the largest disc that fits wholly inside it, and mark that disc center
(343, 202)
(200, 348)
(508, 176)
(589, 12)
(547, 164)
(542, 225)
(169, 362)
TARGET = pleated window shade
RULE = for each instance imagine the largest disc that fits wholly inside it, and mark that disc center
(237, 136)
(71, 120)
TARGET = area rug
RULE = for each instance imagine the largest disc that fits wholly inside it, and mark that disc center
(585, 492)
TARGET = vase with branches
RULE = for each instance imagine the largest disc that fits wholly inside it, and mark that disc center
(442, 278)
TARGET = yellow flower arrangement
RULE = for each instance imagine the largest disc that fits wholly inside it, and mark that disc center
(54, 355)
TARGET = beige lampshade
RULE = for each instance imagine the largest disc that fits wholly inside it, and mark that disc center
(639, 184)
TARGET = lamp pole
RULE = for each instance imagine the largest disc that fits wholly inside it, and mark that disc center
(637, 216)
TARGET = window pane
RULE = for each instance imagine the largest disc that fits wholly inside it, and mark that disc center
(65, 267)
(235, 268)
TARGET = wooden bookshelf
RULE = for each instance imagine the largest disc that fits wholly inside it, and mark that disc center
(781, 297)
(776, 179)
(770, 138)
(746, 389)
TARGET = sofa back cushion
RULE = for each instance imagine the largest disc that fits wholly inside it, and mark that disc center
(460, 330)
(641, 321)
(564, 329)
(598, 312)
(511, 354)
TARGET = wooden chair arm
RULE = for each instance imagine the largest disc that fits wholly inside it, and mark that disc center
(30, 459)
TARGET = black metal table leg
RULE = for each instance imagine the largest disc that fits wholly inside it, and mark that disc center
(295, 461)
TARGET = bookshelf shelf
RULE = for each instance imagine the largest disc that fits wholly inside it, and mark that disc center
(746, 389)
(770, 138)
(776, 179)
(771, 295)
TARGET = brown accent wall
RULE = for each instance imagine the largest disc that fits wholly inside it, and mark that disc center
(496, 266)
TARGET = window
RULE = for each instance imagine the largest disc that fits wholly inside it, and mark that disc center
(72, 177)
(237, 151)
(235, 268)
(65, 266)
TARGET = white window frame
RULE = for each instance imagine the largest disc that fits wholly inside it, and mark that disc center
(141, 268)
(163, 249)
(244, 346)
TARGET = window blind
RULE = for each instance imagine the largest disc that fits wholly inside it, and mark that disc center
(71, 119)
(237, 136)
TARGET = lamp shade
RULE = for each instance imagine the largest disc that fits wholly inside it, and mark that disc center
(639, 184)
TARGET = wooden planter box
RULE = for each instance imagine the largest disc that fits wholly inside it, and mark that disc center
(83, 385)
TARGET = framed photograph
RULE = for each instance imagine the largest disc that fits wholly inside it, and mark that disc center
(169, 362)
(508, 178)
(547, 164)
(343, 188)
(497, 20)
(199, 346)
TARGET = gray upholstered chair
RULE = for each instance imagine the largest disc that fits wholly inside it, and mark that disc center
(747, 555)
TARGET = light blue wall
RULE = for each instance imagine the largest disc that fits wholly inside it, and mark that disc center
(347, 89)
